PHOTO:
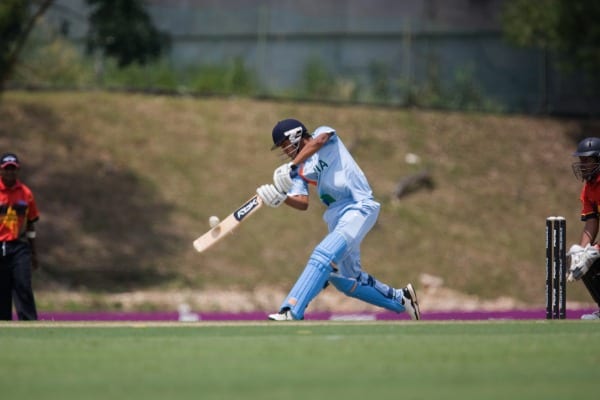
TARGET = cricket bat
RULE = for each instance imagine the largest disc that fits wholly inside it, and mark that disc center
(228, 225)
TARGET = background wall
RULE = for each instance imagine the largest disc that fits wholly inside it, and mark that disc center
(452, 45)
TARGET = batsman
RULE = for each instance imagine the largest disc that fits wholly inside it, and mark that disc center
(585, 256)
(322, 160)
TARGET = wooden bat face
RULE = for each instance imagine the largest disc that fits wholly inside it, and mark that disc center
(227, 226)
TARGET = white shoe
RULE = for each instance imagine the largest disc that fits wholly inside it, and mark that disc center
(282, 316)
(594, 315)
(410, 302)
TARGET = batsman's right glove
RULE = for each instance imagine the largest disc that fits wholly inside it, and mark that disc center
(282, 177)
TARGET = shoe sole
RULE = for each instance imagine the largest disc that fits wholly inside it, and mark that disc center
(414, 301)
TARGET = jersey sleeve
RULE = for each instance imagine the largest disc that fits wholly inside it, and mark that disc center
(33, 213)
(589, 208)
(323, 129)
(299, 187)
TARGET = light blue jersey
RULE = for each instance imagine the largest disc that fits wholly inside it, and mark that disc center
(339, 180)
(343, 188)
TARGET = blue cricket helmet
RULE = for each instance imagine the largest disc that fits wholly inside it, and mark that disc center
(291, 129)
(587, 171)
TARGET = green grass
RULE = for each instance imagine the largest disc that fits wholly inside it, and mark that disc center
(490, 360)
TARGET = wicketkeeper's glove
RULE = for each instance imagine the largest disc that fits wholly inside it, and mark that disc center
(582, 259)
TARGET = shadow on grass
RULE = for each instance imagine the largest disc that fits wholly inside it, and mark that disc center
(102, 227)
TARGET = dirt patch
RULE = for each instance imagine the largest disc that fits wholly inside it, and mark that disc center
(433, 296)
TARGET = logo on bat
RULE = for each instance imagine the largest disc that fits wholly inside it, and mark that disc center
(244, 210)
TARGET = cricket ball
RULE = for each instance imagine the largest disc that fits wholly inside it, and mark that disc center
(213, 221)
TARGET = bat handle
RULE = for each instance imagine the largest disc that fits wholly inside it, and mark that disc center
(293, 171)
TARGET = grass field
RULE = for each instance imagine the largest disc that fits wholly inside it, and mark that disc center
(403, 360)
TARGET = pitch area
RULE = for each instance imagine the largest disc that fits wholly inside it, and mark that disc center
(309, 360)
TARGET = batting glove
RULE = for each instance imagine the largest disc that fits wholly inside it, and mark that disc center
(282, 177)
(581, 260)
(270, 195)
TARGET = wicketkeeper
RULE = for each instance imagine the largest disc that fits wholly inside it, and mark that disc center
(322, 160)
(585, 256)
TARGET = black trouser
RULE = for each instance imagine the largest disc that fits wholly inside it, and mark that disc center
(591, 280)
(15, 281)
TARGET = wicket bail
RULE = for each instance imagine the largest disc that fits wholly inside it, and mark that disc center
(556, 268)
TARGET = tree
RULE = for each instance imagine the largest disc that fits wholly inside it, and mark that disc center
(123, 30)
(16, 23)
(120, 28)
(568, 29)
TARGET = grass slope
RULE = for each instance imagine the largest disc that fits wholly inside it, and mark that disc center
(525, 360)
(126, 182)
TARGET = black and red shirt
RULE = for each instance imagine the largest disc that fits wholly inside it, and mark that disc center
(590, 199)
(17, 208)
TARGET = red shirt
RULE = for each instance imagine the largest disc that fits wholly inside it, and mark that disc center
(17, 207)
(590, 199)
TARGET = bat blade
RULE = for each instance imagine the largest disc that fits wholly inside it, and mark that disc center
(228, 225)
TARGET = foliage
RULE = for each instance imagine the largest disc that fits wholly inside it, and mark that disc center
(567, 28)
(50, 60)
(465, 93)
(13, 14)
(119, 28)
(380, 82)
(16, 22)
(317, 80)
(233, 78)
(123, 29)
(319, 83)
(462, 93)
(525, 23)
(154, 75)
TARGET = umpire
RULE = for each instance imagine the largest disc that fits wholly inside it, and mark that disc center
(18, 213)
